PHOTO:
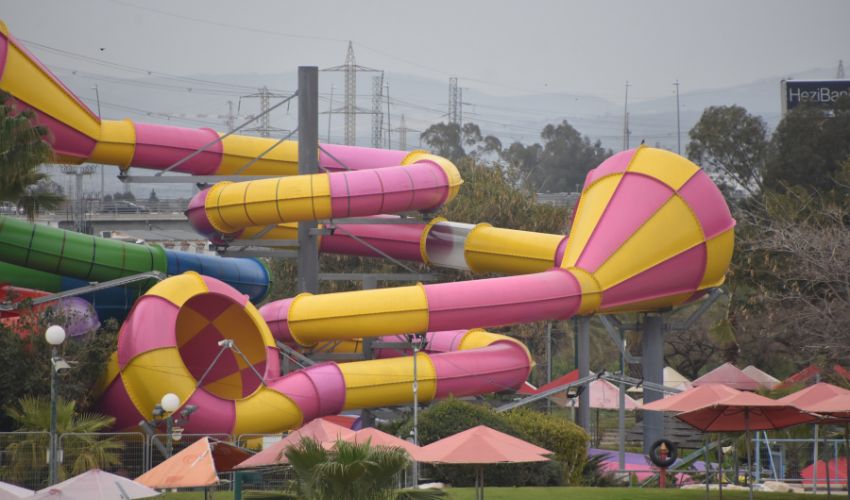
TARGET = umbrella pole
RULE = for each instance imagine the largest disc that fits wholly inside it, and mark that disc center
(749, 465)
(707, 469)
(826, 447)
(847, 455)
(719, 465)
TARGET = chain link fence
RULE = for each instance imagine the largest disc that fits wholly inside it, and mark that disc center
(23, 458)
(122, 453)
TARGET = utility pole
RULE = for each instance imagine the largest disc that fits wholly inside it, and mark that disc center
(402, 134)
(626, 131)
(454, 101)
(839, 74)
(349, 107)
(102, 177)
(378, 111)
(230, 119)
(330, 113)
(389, 125)
(678, 122)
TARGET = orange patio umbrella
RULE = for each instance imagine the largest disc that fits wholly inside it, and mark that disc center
(198, 465)
(325, 432)
(745, 411)
(482, 445)
(379, 438)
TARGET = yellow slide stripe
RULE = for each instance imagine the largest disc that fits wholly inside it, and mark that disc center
(178, 289)
(24, 79)
(490, 249)
(151, 374)
(363, 313)
(591, 206)
(266, 412)
(663, 236)
(239, 150)
(387, 382)
(117, 144)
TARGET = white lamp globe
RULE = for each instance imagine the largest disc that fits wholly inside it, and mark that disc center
(170, 402)
(55, 335)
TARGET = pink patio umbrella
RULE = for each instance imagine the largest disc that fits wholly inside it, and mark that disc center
(728, 374)
(378, 438)
(321, 430)
(745, 412)
(832, 410)
(482, 445)
(765, 379)
(95, 484)
(10, 491)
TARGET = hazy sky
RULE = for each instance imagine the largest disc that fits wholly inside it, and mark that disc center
(503, 47)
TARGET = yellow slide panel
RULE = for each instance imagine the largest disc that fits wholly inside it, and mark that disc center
(490, 249)
(232, 206)
(591, 206)
(27, 81)
(116, 145)
(147, 376)
(660, 238)
(387, 382)
(253, 413)
(663, 165)
(178, 289)
(718, 256)
(363, 313)
(239, 150)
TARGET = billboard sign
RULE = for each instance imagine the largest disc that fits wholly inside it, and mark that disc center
(820, 93)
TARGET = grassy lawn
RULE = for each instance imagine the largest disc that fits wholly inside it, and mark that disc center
(571, 493)
(608, 494)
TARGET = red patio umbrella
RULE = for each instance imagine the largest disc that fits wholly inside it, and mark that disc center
(745, 412)
(832, 410)
(482, 445)
(325, 432)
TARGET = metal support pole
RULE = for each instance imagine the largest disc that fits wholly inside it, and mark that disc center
(169, 428)
(621, 407)
(548, 362)
(53, 459)
(367, 418)
(308, 163)
(652, 361)
(415, 407)
(583, 361)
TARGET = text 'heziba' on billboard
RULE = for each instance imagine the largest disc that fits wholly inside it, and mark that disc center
(820, 93)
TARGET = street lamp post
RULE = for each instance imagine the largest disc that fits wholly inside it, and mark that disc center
(165, 411)
(54, 335)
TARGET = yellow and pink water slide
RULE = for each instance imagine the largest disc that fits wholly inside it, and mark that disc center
(651, 231)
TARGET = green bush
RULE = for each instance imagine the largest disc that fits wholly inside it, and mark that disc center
(567, 440)
(452, 416)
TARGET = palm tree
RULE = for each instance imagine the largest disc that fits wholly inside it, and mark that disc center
(23, 148)
(355, 471)
(83, 450)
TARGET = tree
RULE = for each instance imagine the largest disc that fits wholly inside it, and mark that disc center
(809, 147)
(43, 195)
(349, 471)
(561, 163)
(83, 451)
(454, 142)
(23, 148)
(731, 144)
(153, 197)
